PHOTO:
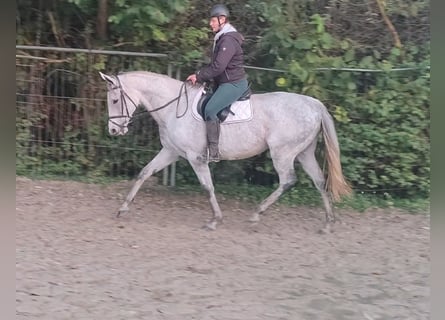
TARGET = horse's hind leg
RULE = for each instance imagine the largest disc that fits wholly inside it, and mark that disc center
(284, 165)
(159, 162)
(310, 165)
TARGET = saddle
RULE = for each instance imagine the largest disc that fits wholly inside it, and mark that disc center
(224, 113)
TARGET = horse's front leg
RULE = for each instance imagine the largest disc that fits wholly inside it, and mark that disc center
(205, 178)
(164, 158)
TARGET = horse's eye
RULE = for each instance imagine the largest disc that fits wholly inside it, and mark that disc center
(115, 101)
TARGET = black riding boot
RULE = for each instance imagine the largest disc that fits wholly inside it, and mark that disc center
(212, 127)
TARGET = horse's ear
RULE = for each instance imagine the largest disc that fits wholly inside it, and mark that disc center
(108, 79)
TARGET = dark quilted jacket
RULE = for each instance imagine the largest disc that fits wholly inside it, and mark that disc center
(227, 60)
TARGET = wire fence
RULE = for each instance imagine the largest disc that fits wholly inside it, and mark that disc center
(62, 121)
(62, 113)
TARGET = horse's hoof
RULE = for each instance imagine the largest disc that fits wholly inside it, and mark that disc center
(121, 211)
(211, 226)
(254, 218)
(326, 229)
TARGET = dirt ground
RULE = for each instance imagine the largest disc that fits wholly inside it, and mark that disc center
(76, 260)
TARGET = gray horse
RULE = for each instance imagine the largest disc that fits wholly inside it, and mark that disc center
(287, 124)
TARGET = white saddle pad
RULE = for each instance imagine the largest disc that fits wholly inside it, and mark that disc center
(242, 110)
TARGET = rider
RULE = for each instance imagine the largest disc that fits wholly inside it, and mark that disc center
(226, 70)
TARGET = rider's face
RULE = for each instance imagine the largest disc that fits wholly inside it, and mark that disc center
(214, 24)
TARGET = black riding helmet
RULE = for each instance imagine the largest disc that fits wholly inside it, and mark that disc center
(219, 10)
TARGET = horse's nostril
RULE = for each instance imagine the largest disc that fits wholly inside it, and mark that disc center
(113, 131)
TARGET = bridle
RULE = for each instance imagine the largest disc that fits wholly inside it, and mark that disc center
(125, 113)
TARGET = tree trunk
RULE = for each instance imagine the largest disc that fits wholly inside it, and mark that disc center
(389, 24)
(102, 19)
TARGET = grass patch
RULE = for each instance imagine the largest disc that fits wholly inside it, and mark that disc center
(84, 179)
(311, 197)
(255, 194)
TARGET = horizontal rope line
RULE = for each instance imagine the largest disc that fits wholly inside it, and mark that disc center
(131, 53)
(106, 52)
(57, 97)
(85, 145)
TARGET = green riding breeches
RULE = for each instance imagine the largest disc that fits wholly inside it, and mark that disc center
(226, 94)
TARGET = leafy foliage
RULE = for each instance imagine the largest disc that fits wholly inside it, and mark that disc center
(382, 117)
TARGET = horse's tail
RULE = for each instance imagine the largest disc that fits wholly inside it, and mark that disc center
(336, 183)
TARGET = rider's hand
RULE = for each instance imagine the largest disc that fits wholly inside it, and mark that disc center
(192, 78)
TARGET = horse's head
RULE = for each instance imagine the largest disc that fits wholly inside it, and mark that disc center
(120, 105)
